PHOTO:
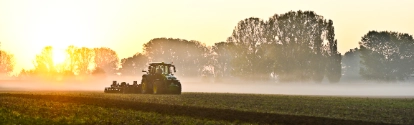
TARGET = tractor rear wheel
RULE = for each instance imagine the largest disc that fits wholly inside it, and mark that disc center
(158, 88)
(145, 88)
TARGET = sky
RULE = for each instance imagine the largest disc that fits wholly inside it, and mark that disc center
(27, 26)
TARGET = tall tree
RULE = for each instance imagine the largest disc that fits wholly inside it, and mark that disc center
(7, 62)
(84, 58)
(80, 60)
(351, 65)
(44, 61)
(333, 67)
(189, 57)
(223, 54)
(133, 65)
(70, 61)
(295, 46)
(387, 56)
(299, 36)
(106, 59)
(248, 35)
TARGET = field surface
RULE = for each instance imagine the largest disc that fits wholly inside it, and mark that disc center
(93, 107)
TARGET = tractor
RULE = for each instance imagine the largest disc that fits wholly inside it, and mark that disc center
(159, 79)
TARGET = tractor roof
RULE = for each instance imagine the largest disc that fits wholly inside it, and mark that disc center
(158, 63)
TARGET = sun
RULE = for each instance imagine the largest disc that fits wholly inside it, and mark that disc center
(59, 56)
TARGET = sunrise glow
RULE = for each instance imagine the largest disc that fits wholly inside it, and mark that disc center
(125, 26)
(59, 56)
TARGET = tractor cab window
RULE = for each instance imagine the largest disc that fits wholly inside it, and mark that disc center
(151, 69)
(162, 69)
(159, 70)
(167, 70)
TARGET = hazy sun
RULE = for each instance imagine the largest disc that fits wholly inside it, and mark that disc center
(59, 56)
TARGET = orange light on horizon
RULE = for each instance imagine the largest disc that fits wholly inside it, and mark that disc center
(59, 56)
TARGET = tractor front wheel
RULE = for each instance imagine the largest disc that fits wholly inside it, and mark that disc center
(178, 89)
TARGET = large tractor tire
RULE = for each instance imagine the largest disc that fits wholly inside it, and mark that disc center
(145, 87)
(178, 92)
(175, 88)
(158, 87)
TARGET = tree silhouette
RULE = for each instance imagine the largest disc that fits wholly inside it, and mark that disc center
(43, 63)
(81, 60)
(300, 51)
(248, 36)
(98, 72)
(386, 56)
(351, 65)
(189, 57)
(106, 59)
(333, 67)
(295, 46)
(133, 65)
(70, 62)
(223, 54)
(7, 62)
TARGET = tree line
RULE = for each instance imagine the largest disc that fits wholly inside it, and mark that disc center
(298, 46)
(80, 62)
(381, 56)
(7, 62)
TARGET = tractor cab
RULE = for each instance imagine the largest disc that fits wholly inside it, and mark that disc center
(160, 68)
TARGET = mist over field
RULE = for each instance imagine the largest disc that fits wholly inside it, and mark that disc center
(65, 62)
(285, 57)
(354, 88)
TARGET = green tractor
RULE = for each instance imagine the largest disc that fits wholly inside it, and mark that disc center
(159, 79)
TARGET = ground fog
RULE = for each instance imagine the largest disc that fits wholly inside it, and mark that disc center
(362, 88)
